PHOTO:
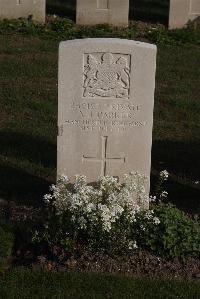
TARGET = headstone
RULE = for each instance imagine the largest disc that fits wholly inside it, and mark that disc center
(14, 9)
(105, 107)
(182, 11)
(91, 12)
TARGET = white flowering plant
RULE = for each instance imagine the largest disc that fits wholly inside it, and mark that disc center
(160, 194)
(97, 215)
(104, 203)
(116, 218)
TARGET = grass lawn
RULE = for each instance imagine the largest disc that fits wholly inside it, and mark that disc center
(27, 284)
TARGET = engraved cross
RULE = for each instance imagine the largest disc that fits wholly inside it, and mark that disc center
(104, 159)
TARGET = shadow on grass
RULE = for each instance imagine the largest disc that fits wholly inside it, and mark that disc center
(26, 147)
(182, 160)
(140, 10)
(184, 197)
(26, 167)
(20, 187)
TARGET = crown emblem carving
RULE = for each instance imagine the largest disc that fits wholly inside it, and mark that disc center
(106, 75)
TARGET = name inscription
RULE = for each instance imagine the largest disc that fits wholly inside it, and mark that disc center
(104, 117)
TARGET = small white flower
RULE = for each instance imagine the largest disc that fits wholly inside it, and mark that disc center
(82, 222)
(132, 245)
(63, 179)
(152, 198)
(164, 194)
(156, 220)
(149, 214)
(47, 198)
(164, 175)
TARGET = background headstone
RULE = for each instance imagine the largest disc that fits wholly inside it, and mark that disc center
(181, 11)
(14, 9)
(91, 12)
(105, 107)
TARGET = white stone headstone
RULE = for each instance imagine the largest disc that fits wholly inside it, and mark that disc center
(182, 11)
(14, 9)
(105, 107)
(91, 12)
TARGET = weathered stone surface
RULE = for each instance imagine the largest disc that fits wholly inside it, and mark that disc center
(105, 107)
(181, 11)
(91, 12)
(14, 9)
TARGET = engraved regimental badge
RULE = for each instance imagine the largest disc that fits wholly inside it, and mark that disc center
(106, 75)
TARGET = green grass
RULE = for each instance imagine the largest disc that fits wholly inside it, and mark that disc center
(23, 284)
(6, 245)
(28, 115)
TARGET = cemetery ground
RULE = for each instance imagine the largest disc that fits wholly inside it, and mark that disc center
(28, 119)
(29, 107)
